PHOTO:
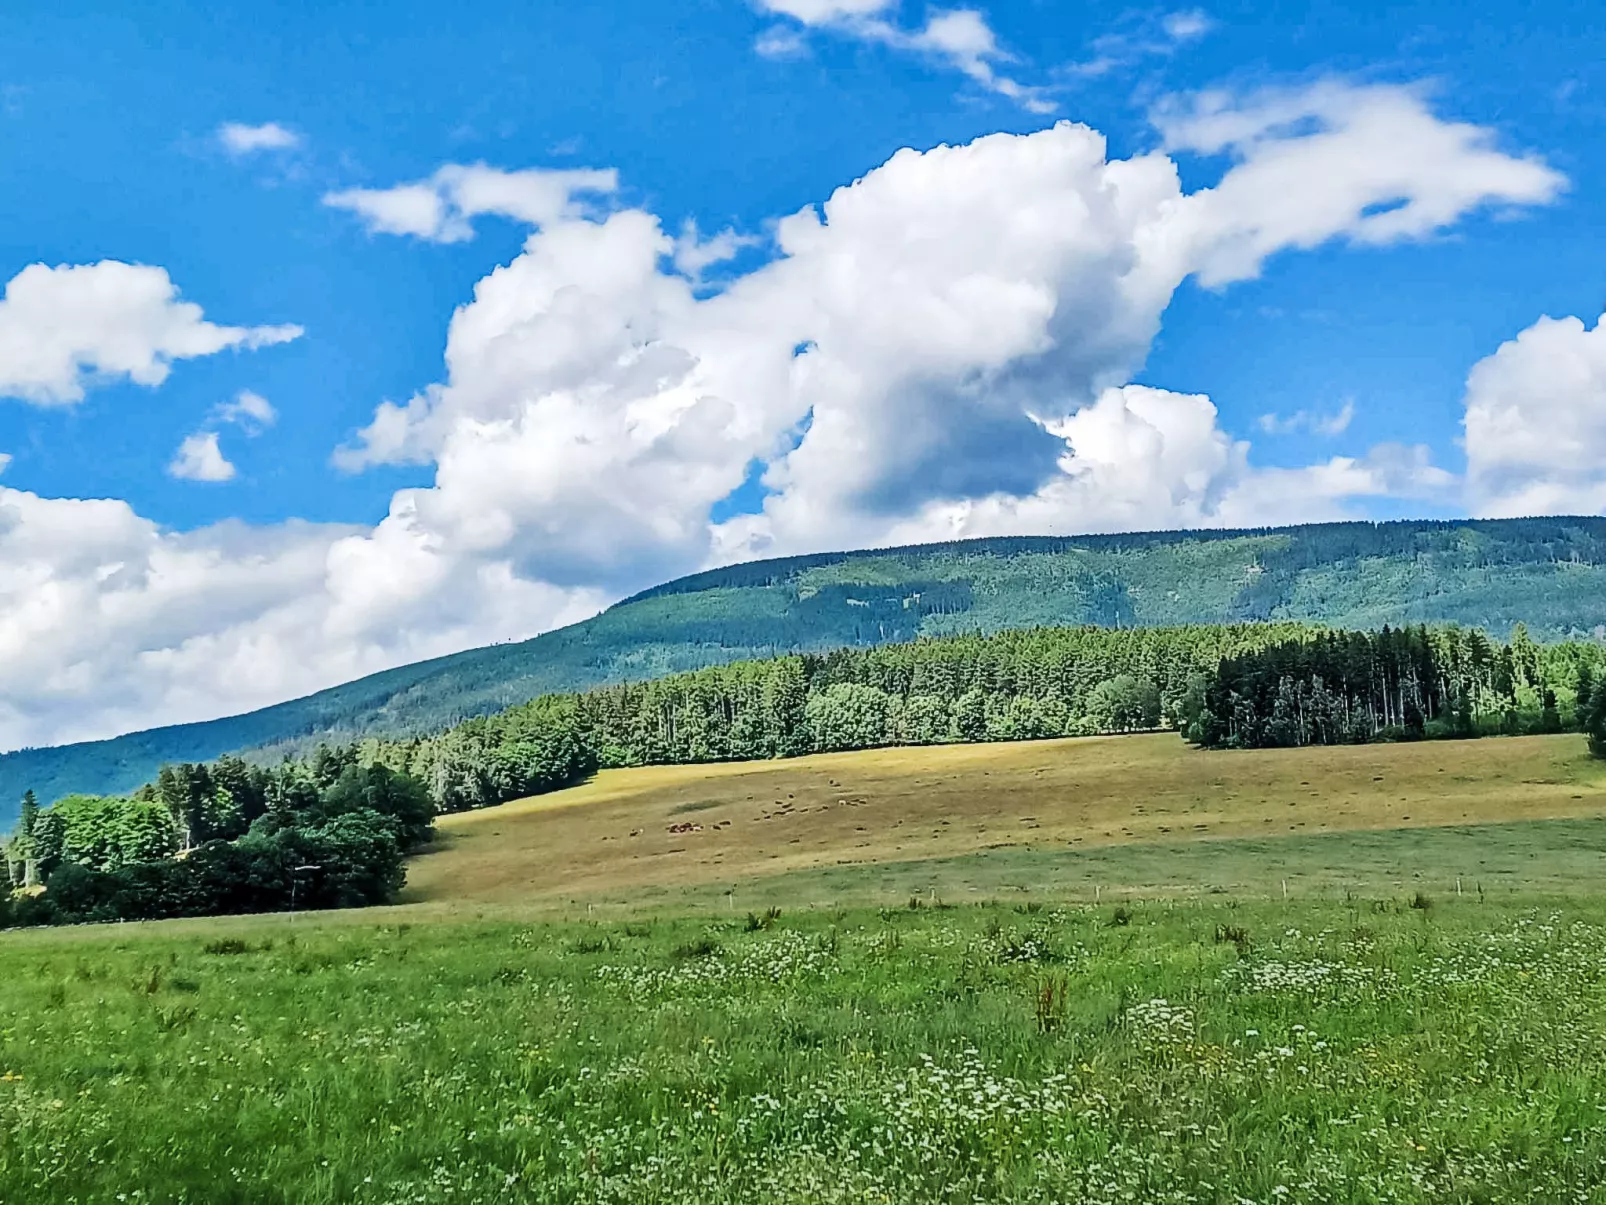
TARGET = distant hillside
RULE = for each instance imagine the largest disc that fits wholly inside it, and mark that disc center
(1548, 573)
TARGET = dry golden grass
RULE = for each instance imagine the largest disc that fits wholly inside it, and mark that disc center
(687, 827)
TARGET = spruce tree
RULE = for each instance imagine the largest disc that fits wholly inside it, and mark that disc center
(1549, 714)
(1595, 721)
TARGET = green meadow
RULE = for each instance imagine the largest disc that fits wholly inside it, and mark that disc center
(1059, 971)
(1401, 1048)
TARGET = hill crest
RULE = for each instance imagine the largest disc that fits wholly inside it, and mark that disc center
(1549, 573)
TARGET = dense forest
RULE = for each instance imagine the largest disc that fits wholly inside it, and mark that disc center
(235, 836)
(330, 829)
(204, 840)
(1488, 574)
(1011, 686)
(1218, 685)
(1405, 683)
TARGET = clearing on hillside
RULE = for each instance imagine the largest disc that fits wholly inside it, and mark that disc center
(1135, 813)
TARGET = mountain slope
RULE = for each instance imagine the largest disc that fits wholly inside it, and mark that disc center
(1549, 573)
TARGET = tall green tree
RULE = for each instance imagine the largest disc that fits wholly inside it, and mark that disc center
(1595, 720)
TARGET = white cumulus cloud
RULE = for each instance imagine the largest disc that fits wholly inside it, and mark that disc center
(947, 346)
(967, 42)
(932, 349)
(695, 254)
(109, 622)
(442, 208)
(249, 410)
(200, 459)
(240, 139)
(1140, 458)
(63, 328)
(823, 12)
(1536, 422)
(1371, 164)
(961, 38)
(1186, 25)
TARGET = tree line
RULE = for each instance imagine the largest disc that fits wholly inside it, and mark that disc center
(331, 829)
(1019, 685)
(1396, 684)
(229, 836)
(1217, 684)
(327, 831)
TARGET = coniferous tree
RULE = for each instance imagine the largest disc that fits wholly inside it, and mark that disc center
(1549, 713)
(1595, 720)
(1404, 683)
(1583, 693)
(47, 839)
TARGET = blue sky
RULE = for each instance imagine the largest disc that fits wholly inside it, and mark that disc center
(1340, 356)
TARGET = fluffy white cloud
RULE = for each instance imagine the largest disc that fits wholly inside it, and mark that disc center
(967, 42)
(961, 38)
(249, 410)
(109, 623)
(694, 254)
(240, 139)
(823, 12)
(934, 349)
(95, 600)
(944, 347)
(200, 459)
(1536, 422)
(62, 328)
(1140, 458)
(1186, 25)
(442, 208)
(1131, 459)
(1371, 164)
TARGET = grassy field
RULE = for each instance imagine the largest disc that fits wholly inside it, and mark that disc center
(1139, 815)
(567, 1012)
(1162, 1052)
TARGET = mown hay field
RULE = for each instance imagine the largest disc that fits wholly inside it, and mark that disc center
(1136, 814)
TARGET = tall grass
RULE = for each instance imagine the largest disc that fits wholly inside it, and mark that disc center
(1265, 1053)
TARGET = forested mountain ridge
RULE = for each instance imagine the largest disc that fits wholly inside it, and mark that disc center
(1548, 573)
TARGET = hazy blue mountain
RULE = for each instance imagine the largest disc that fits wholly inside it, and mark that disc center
(1548, 573)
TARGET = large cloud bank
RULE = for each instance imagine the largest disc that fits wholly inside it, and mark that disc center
(1536, 422)
(945, 347)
